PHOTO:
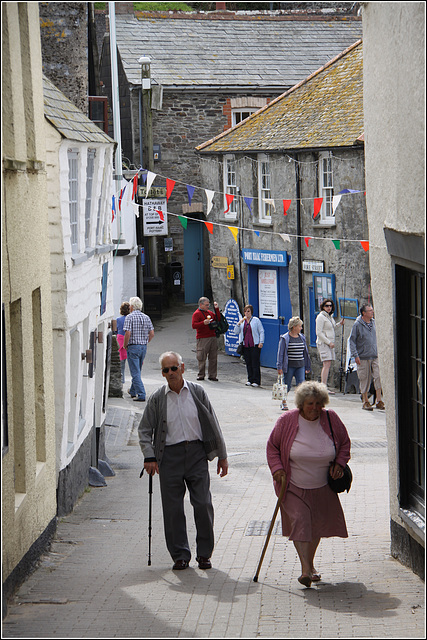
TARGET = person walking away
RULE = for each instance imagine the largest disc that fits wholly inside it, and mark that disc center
(139, 331)
(124, 311)
(300, 450)
(178, 433)
(204, 321)
(325, 338)
(251, 335)
(363, 348)
(292, 356)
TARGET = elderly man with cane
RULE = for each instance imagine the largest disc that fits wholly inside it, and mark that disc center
(178, 434)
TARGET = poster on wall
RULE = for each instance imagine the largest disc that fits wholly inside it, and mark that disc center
(155, 217)
(267, 293)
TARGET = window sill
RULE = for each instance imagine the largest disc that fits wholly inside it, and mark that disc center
(263, 223)
(104, 248)
(414, 520)
(325, 223)
(78, 258)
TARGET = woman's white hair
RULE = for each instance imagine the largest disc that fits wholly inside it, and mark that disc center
(311, 389)
(294, 322)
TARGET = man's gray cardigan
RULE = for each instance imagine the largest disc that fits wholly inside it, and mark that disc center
(153, 426)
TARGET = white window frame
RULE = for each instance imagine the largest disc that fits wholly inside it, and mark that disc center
(73, 199)
(264, 189)
(238, 115)
(326, 189)
(90, 171)
(230, 185)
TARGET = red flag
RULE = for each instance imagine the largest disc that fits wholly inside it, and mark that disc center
(365, 244)
(160, 212)
(169, 187)
(135, 186)
(209, 226)
(229, 199)
(317, 206)
(306, 239)
(286, 205)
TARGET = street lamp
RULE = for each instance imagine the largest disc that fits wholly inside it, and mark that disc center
(145, 62)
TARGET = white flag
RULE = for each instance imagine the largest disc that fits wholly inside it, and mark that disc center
(209, 195)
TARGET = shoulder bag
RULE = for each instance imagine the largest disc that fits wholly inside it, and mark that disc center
(340, 484)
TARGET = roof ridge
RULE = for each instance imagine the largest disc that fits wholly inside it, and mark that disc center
(283, 95)
(192, 15)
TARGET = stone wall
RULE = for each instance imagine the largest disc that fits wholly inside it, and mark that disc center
(64, 38)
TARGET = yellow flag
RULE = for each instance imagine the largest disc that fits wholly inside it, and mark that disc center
(234, 231)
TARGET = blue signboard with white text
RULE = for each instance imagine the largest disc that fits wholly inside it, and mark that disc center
(233, 315)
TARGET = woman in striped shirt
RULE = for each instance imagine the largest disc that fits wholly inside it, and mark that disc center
(292, 355)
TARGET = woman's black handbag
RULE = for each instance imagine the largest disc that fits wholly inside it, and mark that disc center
(344, 483)
(239, 349)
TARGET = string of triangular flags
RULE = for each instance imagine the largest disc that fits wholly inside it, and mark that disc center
(149, 177)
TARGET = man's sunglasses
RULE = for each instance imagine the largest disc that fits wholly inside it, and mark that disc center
(166, 369)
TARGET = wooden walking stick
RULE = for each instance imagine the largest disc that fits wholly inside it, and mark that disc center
(279, 501)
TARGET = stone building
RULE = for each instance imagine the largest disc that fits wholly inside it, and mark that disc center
(393, 51)
(208, 71)
(28, 397)
(289, 206)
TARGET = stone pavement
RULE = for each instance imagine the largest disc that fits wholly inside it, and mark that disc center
(95, 582)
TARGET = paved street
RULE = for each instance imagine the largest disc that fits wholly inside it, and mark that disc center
(96, 583)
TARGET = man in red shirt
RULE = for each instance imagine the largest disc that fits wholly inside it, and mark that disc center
(207, 344)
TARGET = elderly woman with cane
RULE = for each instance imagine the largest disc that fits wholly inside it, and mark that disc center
(301, 453)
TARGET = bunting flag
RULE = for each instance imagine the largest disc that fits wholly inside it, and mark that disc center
(349, 191)
(120, 198)
(169, 188)
(135, 186)
(285, 237)
(286, 205)
(335, 203)
(256, 232)
(317, 206)
(209, 226)
(249, 203)
(190, 191)
(160, 212)
(365, 245)
(183, 220)
(150, 179)
(271, 202)
(229, 199)
(209, 197)
(306, 239)
(113, 209)
(337, 244)
(144, 177)
(234, 231)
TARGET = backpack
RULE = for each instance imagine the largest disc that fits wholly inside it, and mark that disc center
(222, 326)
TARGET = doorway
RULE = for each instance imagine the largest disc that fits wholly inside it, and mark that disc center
(193, 262)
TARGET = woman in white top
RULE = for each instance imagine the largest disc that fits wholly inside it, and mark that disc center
(325, 332)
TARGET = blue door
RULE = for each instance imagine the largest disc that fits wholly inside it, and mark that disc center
(269, 295)
(193, 262)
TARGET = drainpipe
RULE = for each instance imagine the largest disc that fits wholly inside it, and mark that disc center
(117, 177)
(299, 251)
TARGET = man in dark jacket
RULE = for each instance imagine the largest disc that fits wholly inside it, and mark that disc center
(178, 434)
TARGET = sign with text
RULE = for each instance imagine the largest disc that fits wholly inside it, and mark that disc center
(313, 265)
(155, 192)
(267, 291)
(218, 262)
(265, 256)
(155, 217)
(233, 315)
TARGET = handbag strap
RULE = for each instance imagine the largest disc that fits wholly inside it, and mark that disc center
(332, 433)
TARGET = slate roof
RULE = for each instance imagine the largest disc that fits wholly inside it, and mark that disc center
(246, 53)
(324, 110)
(69, 121)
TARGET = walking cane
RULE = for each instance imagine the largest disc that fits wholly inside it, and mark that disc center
(279, 501)
(150, 501)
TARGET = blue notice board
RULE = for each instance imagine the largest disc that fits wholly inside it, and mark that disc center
(233, 315)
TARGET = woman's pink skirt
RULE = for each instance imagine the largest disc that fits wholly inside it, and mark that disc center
(122, 352)
(308, 514)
